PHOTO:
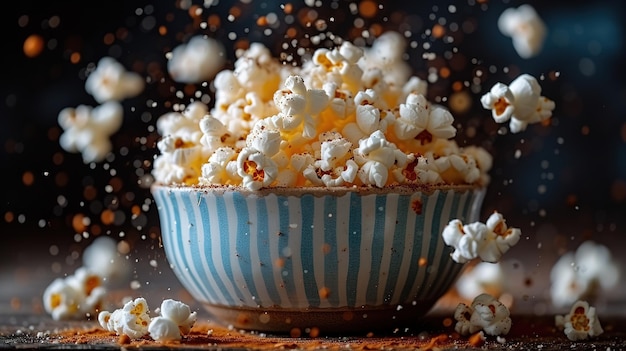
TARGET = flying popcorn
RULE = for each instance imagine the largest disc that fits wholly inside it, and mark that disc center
(103, 257)
(486, 313)
(196, 61)
(87, 129)
(581, 323)
(583, 274)
(111, 82)
(525, 28)
(520, 103)
(487, 241)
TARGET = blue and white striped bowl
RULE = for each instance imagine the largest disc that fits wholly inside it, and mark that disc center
(335, 260)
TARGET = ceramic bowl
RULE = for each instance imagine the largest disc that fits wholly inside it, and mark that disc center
(338, 260)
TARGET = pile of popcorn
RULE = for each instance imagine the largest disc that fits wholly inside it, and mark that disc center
(82, 294)
(134, 321)
(345, 117)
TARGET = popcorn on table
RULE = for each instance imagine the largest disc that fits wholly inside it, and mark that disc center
(488, 241)
(293, 109)
(580, 323)
(134, 320)
(197, 60)
(583, 274)
(75, 296)
(526, 29)
(87, 129)
(111, 82)
(520, 103)
(485, 313)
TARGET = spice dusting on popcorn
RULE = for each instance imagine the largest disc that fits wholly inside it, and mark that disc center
(337, 120)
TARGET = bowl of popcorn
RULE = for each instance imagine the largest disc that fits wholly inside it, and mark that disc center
(314, 197)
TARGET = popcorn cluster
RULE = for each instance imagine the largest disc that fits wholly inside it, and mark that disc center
(75, 296)
(580, 323)
(489, 241)
(520, 103)
(348, 116)
(134, 321)
(87, 129)
(582, 274)
(525, 28)
(485, 314)
(82, 294)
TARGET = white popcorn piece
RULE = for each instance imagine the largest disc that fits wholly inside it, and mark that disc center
(133, 320)
(216, 170)
(504, 238)
(61, 300)
(526, 29)
(500, 101)
(418, 119)
(490, 315)
(197, 60)
(87, 129)
(163, 329)
(103, 257)
(264, 140)
(376, 156)
(581, 323)
(485, 314)
(520, 103)
(484, 277)
(111, 82)
(583, 274)
(487, 241)
(463, 316)
(386, 55)
(256, 169)
(179, 313)
(89, 286)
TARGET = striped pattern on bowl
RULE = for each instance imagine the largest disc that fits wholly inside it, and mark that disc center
(250, 250)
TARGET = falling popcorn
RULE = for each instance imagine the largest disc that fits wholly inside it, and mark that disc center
(196, 61)
(487, 241)
(520, 103)
(87, 129)
(111, 82)
(583, 274)
(581, 323)
(486, 313)
(526, 29)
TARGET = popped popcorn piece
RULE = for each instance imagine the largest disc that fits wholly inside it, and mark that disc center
(376, 156)
(526, 29)
(61, 300)
(486, 314)
(163, 329)
(487, 241)
(103, 257)
(256, 169)
(87, 129)
(583, 274)
(221, 167)
(179, 313)
(132, 320)
(581, 323)
(386, 55)
(484, 277)
(111, 82)
(89, 286)
(520, 103)
(197, 60)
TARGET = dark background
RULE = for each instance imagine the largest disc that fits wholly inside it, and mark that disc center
(568, 184)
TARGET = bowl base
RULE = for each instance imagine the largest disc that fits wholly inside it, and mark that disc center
(327, 321)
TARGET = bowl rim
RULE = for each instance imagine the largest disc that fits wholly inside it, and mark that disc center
(402, 189)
